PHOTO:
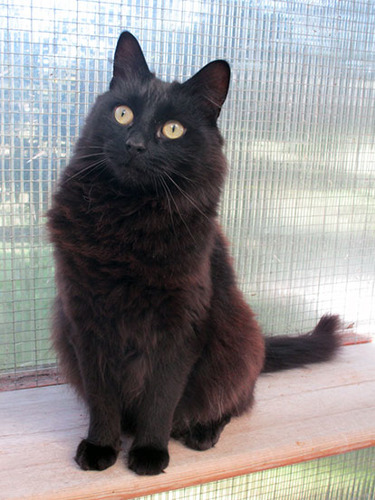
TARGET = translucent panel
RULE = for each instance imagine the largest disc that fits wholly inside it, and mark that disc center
(299, 203)
(342, 477)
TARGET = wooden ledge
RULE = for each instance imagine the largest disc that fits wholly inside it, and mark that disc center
(299, 415)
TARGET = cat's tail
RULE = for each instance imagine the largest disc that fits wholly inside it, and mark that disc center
(285, 352)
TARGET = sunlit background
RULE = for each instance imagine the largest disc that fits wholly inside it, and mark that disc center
(299, 203)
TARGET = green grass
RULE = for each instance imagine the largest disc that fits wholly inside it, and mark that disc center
(26, 289)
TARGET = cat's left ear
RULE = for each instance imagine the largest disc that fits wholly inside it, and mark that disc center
(129, 61)
(211, 84)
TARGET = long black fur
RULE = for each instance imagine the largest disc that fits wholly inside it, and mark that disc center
(149, 324)
(284, 352)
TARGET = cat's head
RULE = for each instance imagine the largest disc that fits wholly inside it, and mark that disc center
(154, 133)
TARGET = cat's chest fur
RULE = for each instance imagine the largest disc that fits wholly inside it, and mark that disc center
(116, 229)
(133, 253)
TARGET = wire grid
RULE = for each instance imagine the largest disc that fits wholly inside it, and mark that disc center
(299, 204)
(342, 477)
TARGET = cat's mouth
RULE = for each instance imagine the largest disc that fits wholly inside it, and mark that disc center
(133, 170)
(137, 166)
(135, 162)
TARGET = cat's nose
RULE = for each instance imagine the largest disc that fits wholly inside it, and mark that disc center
(135, 145)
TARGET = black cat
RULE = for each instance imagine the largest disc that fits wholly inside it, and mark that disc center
(149, 324)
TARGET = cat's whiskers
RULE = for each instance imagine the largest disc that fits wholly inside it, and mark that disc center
(184, 193)
(155, 179)
(89, 168)
(92, 155)
(182, 176)
(169, 196)
(176, 205)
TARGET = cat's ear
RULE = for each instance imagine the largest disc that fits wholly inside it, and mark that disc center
(129, 61)
(211, 83)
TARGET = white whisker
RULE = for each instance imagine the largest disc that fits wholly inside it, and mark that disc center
(169, 196)
(89, 168)
(176, 205)
(186, 195)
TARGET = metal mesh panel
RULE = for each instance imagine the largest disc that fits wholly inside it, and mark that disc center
(343, 477)
(299, 204)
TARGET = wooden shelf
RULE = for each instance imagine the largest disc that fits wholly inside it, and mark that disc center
(299, 415)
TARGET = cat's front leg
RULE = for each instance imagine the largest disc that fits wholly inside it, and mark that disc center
(149, 452)
(79, 340)
(101, 447)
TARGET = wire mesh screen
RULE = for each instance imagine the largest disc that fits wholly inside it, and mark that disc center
(299, 203)
(343, 477)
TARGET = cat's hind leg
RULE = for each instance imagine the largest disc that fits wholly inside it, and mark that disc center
(202, 437)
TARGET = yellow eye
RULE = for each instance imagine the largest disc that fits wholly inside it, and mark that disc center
(173, 129)
(124, 115)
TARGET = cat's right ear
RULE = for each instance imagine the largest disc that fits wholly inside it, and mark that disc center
(129, 61)
(211, 85)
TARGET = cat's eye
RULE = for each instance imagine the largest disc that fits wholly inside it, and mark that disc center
(173, 129)
(124, 115)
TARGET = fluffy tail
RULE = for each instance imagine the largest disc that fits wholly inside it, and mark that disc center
(284, 352)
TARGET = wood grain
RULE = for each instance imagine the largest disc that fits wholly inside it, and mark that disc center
(299, 415)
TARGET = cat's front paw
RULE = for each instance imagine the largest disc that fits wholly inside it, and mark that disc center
(148, 460)
(91, 456)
